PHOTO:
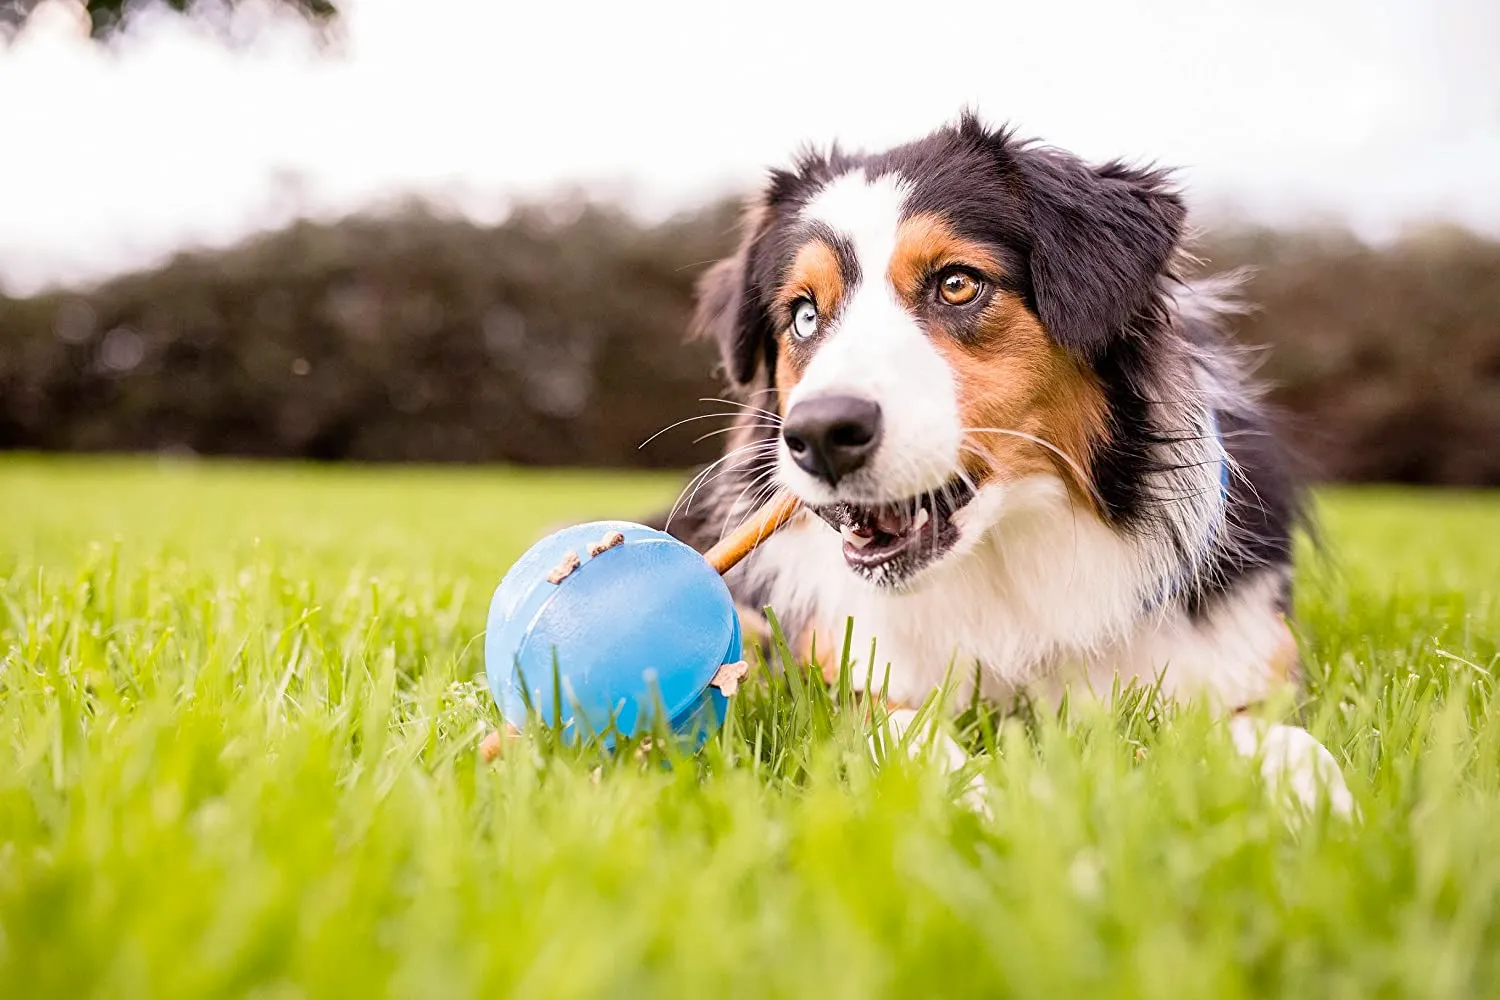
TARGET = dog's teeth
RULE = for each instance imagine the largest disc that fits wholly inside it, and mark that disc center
(854, 538)
(921, 519)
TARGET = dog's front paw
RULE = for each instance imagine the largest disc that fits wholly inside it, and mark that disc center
(951, 757)
(1293, 762)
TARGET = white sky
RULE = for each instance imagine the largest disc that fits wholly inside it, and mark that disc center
(1380, 112)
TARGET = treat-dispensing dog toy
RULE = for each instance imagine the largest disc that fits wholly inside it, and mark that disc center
(600, 625)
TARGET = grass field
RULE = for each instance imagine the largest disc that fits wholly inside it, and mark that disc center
(240, 705)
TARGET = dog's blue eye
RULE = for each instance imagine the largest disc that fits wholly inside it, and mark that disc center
(804, 319)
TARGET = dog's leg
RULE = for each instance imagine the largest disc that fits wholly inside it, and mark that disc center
(1293, 762)
(932, 739)
(947, 750)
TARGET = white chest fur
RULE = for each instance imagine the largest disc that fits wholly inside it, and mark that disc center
(1045, 596)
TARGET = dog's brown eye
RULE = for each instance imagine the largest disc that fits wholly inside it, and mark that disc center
(958, 288)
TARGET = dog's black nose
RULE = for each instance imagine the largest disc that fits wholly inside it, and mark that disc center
(831, 436)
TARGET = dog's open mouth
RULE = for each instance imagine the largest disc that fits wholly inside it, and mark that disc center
(889, 542)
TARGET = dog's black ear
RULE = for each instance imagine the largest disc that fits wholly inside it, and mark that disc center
(727, 310)
(1102, 237)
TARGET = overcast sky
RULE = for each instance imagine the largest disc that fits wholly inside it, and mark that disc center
(1380, 112)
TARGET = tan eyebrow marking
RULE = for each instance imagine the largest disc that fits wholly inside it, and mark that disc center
(926, 243)
(815, 271)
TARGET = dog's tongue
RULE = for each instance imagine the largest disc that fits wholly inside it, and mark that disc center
(892, 520)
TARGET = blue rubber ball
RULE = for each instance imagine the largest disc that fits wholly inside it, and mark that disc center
(643, 624)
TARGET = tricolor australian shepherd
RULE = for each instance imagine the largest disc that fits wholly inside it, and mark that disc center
(1026, 449)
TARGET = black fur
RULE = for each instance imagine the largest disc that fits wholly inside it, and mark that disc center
(1101, 238)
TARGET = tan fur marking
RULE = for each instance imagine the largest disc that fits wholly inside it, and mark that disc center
(788, 373)
(814, 273)
(814, 649)
(926, 243)
(1012, 376)
(1285, 663)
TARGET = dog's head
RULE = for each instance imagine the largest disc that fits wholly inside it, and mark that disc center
(930, 322)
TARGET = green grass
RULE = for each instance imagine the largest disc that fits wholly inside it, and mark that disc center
(240, 705)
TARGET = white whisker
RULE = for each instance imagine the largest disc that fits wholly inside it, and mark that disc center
(685, 420)
(744, 406)
(1077, 470)
(751, 451)
(731, 430)
(757, 484)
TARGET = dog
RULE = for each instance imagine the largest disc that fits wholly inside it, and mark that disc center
(1026, 447)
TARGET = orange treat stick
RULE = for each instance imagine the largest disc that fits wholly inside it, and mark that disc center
(756, 529)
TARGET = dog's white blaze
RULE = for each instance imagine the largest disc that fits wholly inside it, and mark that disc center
(877, 350)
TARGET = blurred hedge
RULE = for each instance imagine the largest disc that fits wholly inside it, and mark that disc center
(1388, 360)
(557, 337)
